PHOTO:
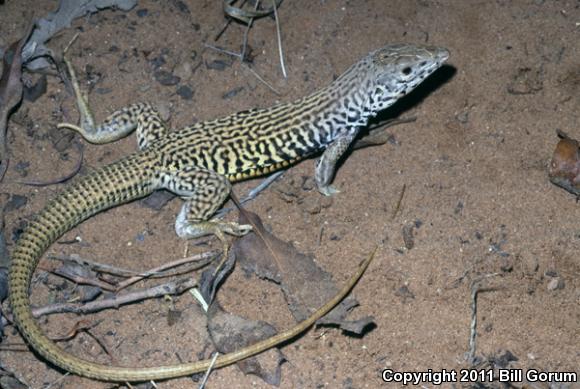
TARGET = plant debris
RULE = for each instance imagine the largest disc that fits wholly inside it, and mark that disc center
(305, 285)
(230, 332)
(35, 52)
(10, 93)
(564, 169)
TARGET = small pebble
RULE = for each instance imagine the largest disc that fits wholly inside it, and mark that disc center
(142, 12)
(22, 168)
(157, 61)
(16, 201)
(103, 91)
(555, 284)
(232, 93)
(166, 78)
(185, 92)
(218, 64)
(182, 7)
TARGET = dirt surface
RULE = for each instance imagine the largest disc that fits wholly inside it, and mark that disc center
(472, 168)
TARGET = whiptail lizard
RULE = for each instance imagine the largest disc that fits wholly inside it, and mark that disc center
(199, 163)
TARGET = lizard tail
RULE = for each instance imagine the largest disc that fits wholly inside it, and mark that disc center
(113, 185)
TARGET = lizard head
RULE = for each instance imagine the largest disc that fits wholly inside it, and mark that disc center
(398, 69)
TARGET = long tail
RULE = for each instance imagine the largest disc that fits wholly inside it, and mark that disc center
(110, 186)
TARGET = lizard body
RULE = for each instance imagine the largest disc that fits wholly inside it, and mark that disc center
(199, 163)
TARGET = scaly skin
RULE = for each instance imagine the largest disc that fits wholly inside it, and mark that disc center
(198, 163)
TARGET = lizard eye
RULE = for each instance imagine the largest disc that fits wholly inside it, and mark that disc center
(406, 70)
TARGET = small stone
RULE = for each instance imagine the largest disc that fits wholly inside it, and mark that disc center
(157, 61)
(22, 168)
(555, 284)
(308, 184)
(218, 64)
(182, 7)
(33, 92)
(142, 12)
(103, 91)
(166, 78)
(15, 202)
(551, 273)
(232, 93)
(405, 293)
(185, 92)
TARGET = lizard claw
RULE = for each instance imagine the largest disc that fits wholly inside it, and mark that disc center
(328, 190)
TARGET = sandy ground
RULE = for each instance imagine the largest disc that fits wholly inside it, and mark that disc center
(473, 167)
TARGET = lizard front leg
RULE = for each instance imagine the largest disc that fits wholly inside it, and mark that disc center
(326, 164)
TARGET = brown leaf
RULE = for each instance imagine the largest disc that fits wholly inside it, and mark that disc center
(564, 169)
(230, 333)
(305, 285)
(10, 92)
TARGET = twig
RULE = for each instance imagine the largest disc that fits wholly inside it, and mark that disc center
(223, 51)
(279, 35)
(254, 192)
(475, 289)
(100, 267)
(61, 179)
(376, 133)
(169, 288)
(473, 326)
(399, 201)
(156, 271)
(104, 268)
(61, 378)
(247, 32)
(391, 122)
(208, 371)
(261, 79)
(78, 279)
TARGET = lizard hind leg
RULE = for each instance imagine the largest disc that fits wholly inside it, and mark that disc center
(204, 191)
(140, 116)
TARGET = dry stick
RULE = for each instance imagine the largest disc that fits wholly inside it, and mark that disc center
(473, 326)
(399, 202)
(261, 79)
(78, 279)
(100, 267)
(246, 33)
(222, 50)
(208, 371)
(113, 270)
(475, 289)
(155, 271)
(169, 288)
(266, 182)
(239, 56)
(226, 25)
(63, 178)
(279, 39)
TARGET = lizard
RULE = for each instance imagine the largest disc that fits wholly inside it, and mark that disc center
(199, 163)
